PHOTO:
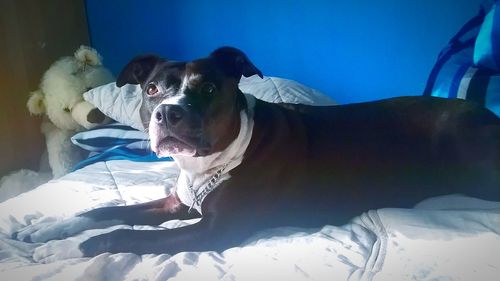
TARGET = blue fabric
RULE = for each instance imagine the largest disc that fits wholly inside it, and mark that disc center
(457, 75)
(115, 141)
(487, 46)
(102, 138)
(122, 153)
(449, 70)
(492, 101)
(458, 52)
(107, 141)
(455, 84)
(114, 125)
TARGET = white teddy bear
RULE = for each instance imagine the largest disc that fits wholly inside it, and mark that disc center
(60, 97)
(60, 100)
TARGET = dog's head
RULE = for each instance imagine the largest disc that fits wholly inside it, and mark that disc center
(192, 107)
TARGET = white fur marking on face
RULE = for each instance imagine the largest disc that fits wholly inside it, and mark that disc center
(188, 79)
(156, 135)
(175, 100)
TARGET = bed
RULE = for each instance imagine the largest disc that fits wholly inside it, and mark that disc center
(451, 237)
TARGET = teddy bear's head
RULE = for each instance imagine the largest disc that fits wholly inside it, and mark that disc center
(60, 96)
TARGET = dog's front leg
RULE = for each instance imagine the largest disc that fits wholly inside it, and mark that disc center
(200, 236)
(169, 241)
(150, 213)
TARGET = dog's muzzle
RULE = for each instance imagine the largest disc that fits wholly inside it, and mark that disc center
(174, 130)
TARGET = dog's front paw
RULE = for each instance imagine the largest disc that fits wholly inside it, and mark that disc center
(46, 231)
(58, 250)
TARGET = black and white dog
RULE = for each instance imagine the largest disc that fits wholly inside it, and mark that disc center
(247, 165)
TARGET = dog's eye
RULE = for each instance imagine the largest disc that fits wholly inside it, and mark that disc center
(151, 89)
(208, 89)
(66, 109)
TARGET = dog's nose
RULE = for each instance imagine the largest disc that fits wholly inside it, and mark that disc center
(170, 114)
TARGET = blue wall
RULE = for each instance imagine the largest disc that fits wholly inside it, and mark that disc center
(352, 50)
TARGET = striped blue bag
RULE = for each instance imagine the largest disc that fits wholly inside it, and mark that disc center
(457, 74)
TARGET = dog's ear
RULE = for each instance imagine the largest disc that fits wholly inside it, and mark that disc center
(234, 63)
(138, 70)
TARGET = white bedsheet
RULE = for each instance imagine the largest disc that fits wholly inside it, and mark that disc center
(448, 238)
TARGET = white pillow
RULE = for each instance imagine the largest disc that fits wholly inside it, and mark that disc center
(279, 90)
(123, 104)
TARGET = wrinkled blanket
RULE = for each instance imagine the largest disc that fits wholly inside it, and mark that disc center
(447, 238)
